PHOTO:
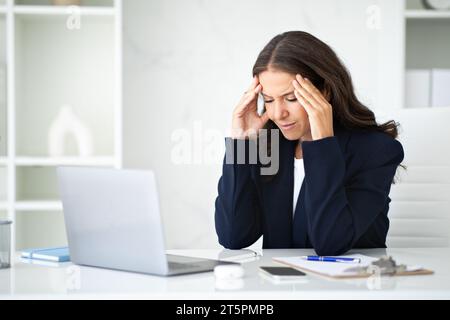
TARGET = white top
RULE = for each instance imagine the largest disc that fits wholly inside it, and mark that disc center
(299, 175)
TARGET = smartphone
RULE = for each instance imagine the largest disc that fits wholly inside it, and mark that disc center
(282, 273)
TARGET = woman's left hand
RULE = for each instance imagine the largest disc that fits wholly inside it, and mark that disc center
(319, 111)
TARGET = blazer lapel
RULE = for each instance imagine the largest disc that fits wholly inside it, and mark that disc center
(282, 229)
(277, 198)
(300, 222)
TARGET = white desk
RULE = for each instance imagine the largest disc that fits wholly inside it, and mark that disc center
(68, 281)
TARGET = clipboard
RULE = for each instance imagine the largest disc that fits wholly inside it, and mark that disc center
(333, 270)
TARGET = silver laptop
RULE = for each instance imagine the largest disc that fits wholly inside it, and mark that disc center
(113, 221)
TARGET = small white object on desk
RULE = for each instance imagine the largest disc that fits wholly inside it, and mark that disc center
(226, 272)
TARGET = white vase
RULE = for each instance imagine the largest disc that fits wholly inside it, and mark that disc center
(67, 123)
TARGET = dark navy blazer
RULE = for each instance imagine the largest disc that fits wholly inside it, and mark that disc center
(343, 201)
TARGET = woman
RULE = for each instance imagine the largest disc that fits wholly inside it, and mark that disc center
(336, 164)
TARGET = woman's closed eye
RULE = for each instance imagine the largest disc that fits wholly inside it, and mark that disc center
(287, 99)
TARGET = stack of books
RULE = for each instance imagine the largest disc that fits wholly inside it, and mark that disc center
(59, 254)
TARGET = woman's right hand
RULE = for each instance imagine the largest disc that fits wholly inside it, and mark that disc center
(246, 121)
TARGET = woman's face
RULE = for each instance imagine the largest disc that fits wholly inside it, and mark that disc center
(282, 106)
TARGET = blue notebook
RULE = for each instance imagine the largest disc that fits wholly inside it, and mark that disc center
(60, 254)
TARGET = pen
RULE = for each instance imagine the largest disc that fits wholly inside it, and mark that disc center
(246, 256)
(331, 259)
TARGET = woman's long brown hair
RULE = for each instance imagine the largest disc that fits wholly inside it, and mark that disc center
(298, 52)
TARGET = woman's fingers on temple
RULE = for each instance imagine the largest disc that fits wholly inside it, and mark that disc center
(253, 85)
(310, 98)
(314, 102)
(308, 107)
(250, 97)
(311, 88)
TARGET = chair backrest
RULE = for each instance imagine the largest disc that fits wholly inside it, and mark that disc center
(420, 209)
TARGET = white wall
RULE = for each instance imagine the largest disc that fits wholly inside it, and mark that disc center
(3, 195)
(189, 61)
(2, 88)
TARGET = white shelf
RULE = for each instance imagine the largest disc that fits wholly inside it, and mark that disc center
(426, 44)
(427, 14)
(63, 10)
(95, 49)
(38, 206)
(65, 161)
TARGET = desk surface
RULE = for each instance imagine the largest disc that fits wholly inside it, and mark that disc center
(65, 280)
